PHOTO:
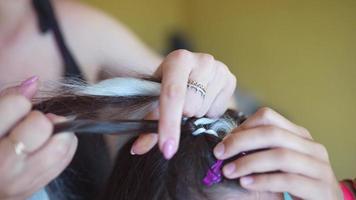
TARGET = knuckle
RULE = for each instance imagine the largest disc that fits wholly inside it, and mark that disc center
(206, 58)
(305, 132)
(226, 71)
(180, 54)
(265, 112)
(221, 69)
(323, 152)
(206, 63)
(272, 131)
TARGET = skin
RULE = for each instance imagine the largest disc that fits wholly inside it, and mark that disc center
(293, 163)
(25, 53)
(50, 154)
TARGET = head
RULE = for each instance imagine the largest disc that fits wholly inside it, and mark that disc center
(150, 176)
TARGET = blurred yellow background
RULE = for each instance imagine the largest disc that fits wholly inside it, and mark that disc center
(297, 56)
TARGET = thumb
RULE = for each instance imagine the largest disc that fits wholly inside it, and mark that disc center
(27, 88)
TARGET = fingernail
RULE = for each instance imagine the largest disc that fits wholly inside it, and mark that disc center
(219, 150)
(25, 85)
(168, 149)
(229, 169)
(132, 152)
(247, 180)
(66, 138)
(29, 81)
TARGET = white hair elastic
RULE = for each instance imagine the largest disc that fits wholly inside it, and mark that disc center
(202, 129)
(123, 87)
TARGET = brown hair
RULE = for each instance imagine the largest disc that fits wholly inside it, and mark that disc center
(150, 176)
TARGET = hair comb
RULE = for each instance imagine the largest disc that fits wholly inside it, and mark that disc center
(118, 127)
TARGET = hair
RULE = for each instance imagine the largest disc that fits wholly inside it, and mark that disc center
(152, 177)
(134, 177)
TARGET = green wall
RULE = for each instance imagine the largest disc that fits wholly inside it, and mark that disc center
(297, 56)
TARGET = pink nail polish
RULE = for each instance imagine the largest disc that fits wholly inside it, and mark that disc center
(25, 87)
(29, 81)
(168, 149)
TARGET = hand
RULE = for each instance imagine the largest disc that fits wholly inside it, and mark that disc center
(292, 163)
(175, 99)
(29, 156)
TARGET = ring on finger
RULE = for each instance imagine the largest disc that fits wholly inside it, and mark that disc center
(19, 147)
(198, 87)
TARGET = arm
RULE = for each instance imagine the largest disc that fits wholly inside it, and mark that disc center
(122, 53)
(118, 52)
(102, 44)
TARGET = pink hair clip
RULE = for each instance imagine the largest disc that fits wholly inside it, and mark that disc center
(213, 175)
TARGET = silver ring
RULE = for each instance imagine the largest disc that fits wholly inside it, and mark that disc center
(198, 87)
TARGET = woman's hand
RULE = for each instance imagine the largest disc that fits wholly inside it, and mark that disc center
(292, 163)
(176, 99)
(29, 156)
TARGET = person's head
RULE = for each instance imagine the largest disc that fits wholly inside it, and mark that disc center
(150, 176)
(184, 177)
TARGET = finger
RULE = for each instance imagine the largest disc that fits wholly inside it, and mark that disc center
(144, 143)
(267, 137)
(33, 131)
(52, 157)
(202, 73)
(11, 163)
(8, 115)
(56, 118)
(294, 184)
(214, 88)
(175, 72)
(20, 169)
(221, 101)
(277, 160)
(267, 116)
(27, 88)
(53, 168)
